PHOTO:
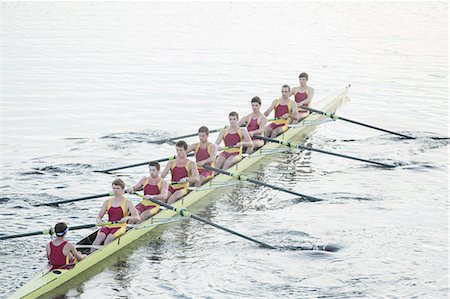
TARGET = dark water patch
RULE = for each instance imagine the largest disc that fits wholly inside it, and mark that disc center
(31, 173)
(138, 137)
(420, 166)
(349, 196)
(313, 247)
(4, 199)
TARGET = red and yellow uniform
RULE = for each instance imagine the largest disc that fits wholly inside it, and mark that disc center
(57, 258)
(253, 125)
(280, 110)
(179, 172)
(115, 214)
(231, 139)
(203, 154)
(301, 96)
(149, 189)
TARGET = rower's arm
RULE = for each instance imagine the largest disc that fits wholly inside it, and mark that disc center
(293, 91)
(294, 111)
(310, 95)
(195, 176)
(134, 215)
(136, 187)
(102, 213)
(219, 138)
(164, 193)
(79, 256)
(262, 126)
(47, 248)
(243, 121)
(272, 106)
(167, 169)
(247, 140)
(191, 147)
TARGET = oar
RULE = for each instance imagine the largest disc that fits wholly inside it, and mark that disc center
(55, 203)
(334, 116)
(195, 134)
(183, 136)
(185, 213)
(139, 164)
(246, 179)
(49, 231)
(294, 145)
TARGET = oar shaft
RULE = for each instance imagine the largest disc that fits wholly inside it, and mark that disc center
(140, 164)
(185, 213)
(184, 136)
(46, 231)
(55, 203)
(294, 145)
(334, 116)
(244, 178)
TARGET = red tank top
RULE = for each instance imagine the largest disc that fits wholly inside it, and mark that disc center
(57, 258)
(179, 172)
(117, 213)
(203, 153)
(232, 139)
(300, 96)
(152, 189)
(253, 125)
(281, 110)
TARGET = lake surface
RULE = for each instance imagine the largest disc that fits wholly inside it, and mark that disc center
(86, 85)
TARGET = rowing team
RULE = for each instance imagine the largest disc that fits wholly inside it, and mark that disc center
(239, 136)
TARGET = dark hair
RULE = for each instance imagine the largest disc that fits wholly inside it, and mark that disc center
(203, 129)
(61, 229)
(286, 86)
(234, 113)
(256, 100)
(155, 164)
(182, 144)
(119, 182)
(303, 75)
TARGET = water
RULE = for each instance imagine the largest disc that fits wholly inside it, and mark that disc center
(86, 85)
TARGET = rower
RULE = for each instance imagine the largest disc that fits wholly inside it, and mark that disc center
(303, 96)
(285, 112)
(183, 171)
(120, 210)
(255, 123)
(234, 138)
(61, 253)
(205, 153)
(154, 187)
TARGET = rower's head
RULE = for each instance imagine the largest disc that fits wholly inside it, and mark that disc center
(256, 104)
(181, 147)
(233, 117)
(285, 91)
(303, 79)
(153, 168)
(203, 133)
(118, 186)
(61, 229)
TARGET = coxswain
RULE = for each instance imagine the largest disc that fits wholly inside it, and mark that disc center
(234, 138)
(183, 171)
(255, 123)
(61, 253)
(205, 154)
(285, 113)
(120, 211)
(303, 96)
(154, 187)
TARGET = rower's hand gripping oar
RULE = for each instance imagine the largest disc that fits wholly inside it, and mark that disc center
(336, 117)
(246, 179)
(50, 231)
(55, 203)
(295, 145)
(139, 164)
(185, 213)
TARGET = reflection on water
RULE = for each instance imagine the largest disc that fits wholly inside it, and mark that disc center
(89, 86)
